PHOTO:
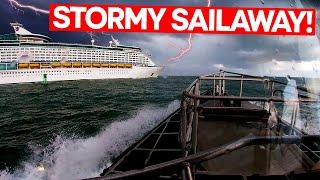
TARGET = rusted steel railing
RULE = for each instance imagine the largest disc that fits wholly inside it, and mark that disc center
(191, 104)
(210, 154)
(192, 97)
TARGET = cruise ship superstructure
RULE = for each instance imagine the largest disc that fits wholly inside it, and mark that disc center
(27, 57)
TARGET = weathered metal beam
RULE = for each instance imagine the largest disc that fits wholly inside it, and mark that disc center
(212, 153)
(164, 150)
(263, 99)
(186, 172)
(310, 151)
(167, 133)
(241, 86)
(232, 79)
(156, 143)
(195, 120)
(115, 165)
(241, 74)
(183, 124)
(229, 108)
(191, 85)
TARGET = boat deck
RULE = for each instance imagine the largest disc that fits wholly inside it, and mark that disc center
(217, 136)
(217, 127)
(160, 145)
(227, 125)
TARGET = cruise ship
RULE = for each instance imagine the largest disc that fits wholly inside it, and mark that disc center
(26, 57)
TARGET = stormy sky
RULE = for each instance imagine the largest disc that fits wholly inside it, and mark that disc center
(260, 55)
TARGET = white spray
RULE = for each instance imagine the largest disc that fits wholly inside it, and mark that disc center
(74, 158)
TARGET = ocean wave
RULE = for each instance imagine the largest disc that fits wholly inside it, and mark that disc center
(76, 158)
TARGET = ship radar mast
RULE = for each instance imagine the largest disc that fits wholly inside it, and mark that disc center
(115, 42)
(19, 29)
(27, 36)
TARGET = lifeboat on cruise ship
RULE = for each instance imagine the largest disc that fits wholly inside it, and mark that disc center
(128, 66)
(86, 65)
(121, 65)
(105, 65)
(67, 65)
(45, 64)
(77, 65)
(96, 65)
(56, 65)
(23, 65)
(34, 65)
(113, 65)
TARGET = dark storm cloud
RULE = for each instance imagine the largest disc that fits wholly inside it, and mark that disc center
(39, 23)
(236, 52)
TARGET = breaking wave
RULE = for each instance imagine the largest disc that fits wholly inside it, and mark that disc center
(76, 158)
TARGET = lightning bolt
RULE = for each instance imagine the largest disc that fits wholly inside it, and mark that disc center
(18, 6)
(15, 4)
(187, 49)
(183, 51)
(209, 3)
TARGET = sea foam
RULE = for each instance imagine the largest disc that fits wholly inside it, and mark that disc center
(76, 158)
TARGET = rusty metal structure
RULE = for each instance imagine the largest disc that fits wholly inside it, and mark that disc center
(224, 129)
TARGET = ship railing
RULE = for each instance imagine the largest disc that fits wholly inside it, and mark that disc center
(194, 95)
(212, 153)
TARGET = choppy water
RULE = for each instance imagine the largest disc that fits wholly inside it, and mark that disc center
(75, 127)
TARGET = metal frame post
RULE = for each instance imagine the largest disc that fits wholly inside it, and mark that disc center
(241, 86)
(183, 123)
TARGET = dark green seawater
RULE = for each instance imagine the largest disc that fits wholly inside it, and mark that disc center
(32, 116)
(74, 128)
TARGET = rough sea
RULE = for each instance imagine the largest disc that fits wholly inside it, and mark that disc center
(73, 129)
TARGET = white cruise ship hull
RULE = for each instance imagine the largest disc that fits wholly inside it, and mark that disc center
(67, 74)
